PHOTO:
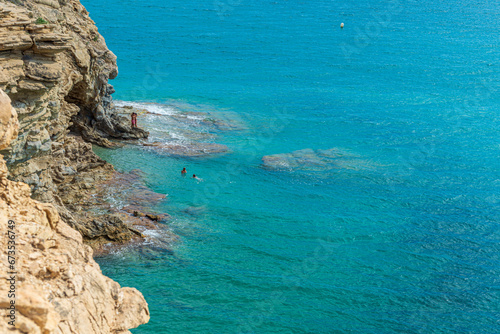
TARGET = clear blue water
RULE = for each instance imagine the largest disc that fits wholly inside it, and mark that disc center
(408, 241)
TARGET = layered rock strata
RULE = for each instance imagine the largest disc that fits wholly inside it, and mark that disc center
(55, 67)
(58, 286)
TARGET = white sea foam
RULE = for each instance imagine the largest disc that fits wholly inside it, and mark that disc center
(153, 108)
(178, 136)
(198, 118)
(151, 234)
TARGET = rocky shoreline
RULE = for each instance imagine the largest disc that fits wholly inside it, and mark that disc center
(194, 132)
(54, 69)
(63, 99)
(49, 282)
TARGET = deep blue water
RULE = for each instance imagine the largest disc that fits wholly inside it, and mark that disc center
(405, 238)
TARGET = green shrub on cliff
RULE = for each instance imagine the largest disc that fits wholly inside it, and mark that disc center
(41, 21)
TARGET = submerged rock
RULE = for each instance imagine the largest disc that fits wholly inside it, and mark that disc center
(312, 160)
(205, 120)
(175, 132)
(195, 210)
(194, 149)
(220, 125)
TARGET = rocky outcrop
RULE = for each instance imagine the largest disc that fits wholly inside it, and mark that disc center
(114, 126)
(59, 288)
(55, 67)
(88, 190)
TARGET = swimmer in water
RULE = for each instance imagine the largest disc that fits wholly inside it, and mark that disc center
(196, 178)
(184, 171)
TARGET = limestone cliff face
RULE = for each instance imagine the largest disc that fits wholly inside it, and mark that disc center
(59, 287)
(55, 67)
(9, 125)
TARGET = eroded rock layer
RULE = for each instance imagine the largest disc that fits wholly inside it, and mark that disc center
(55, 67)
(54, 282)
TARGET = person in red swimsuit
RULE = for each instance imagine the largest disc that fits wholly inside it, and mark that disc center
(134, 119)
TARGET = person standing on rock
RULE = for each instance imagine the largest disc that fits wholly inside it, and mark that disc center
(134, 119)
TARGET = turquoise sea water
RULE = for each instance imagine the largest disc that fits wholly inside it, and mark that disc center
(402, 238)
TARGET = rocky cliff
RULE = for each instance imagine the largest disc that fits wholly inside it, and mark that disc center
(55, 67)
(57, 286)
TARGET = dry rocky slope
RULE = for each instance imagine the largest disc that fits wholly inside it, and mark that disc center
(59, 288)
(55, 67)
